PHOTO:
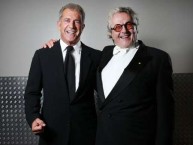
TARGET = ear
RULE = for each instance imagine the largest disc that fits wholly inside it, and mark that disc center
(83, 26)
(58, 24)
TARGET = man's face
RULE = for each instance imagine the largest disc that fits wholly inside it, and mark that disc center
(127, 36)
(70, 26)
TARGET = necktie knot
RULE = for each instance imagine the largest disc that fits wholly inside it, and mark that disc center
(69, 49)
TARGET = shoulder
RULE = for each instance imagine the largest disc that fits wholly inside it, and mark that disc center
(90, 49)
(46, 51)
(156, 52)
(93, 52)
(108, 48)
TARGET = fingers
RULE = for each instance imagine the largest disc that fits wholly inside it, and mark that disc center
(38, 126)
(50, 43)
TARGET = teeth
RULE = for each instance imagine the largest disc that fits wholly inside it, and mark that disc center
(124, 36)
(71, 31)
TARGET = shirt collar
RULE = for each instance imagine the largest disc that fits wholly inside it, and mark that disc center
(119, 50)
(77, 47)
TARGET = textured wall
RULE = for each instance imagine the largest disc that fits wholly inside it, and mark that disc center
(14, 129)
(25, 25)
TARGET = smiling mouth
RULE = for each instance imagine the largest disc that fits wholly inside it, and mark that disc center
(123, 37)
(126, 35)
(71, 31)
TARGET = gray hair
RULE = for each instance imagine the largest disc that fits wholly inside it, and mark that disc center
(75, 7)
(126, 10)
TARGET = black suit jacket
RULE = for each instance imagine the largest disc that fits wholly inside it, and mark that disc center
(140, 108)
(66, 122)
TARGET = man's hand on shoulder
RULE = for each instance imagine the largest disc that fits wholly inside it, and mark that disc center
(50, 43)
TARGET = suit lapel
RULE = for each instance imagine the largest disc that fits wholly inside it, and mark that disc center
(85, 64)
(136, 65)
(107, 55)
(58, 65)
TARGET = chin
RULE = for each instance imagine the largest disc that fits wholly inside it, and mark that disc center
(126, 45)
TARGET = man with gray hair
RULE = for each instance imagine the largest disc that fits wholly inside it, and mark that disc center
(66, 75)
(134, 86)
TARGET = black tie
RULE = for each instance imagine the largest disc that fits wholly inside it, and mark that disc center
(69, 68)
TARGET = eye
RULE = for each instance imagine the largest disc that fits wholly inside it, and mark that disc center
(77, 21)
(66, 20)
(130, 25)
(117, 27)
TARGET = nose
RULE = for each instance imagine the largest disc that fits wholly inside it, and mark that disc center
(72, 24)
(124, 28)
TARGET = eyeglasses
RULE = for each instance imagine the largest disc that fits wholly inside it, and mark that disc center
(128, 25)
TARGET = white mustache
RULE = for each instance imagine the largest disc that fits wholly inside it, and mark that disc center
(125, 35)
(128, 34)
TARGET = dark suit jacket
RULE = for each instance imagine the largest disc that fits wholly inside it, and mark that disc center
(140, 108)
(66, 122)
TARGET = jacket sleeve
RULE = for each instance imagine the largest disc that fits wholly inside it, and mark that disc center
(165, 103)
(33, 89)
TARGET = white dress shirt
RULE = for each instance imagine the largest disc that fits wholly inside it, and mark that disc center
(115, 67)
(76, 55)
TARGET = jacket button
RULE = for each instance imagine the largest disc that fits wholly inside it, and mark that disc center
(109, 115)
(120, 101)
(68, 123)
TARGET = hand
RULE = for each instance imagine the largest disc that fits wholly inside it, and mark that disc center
(38, 126)
(50, 43)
